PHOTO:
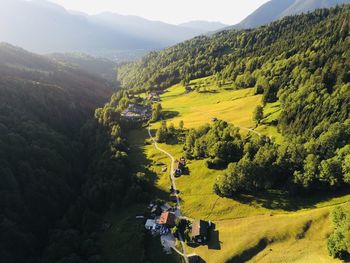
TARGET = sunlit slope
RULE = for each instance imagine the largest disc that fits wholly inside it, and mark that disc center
(269, 227)
(297, 237)
(196, 109)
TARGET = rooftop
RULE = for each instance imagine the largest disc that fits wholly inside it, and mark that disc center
(200, 228)
(167, 218)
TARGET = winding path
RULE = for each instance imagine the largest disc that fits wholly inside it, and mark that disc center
(251, 130)
(172, 178)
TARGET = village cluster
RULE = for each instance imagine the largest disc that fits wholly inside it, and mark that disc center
(163, 218)
(139, 112)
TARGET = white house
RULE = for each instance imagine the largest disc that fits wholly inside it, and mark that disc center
(150, 223)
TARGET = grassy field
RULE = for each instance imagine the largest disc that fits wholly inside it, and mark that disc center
(297, 237)
(266, 227)
(234, 106)
(271, 227)
(196, 109)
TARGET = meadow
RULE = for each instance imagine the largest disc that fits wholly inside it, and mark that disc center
(267, 227)
(197, 108)
(254, 229)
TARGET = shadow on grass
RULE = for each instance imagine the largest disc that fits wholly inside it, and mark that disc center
(169, 114)
(214, 240)
(139, 161)
(195, 258)
(208, 91)
(278, 199)
(249, 253)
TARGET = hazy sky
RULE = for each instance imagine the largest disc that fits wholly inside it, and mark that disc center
(171, 11)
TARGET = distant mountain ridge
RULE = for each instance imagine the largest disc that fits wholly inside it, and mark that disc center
(277, 9)
(203, 25)
(44, 27)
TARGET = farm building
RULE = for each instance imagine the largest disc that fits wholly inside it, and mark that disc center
(200, 231)
(167, 219)
(150, 223)
(179, 166)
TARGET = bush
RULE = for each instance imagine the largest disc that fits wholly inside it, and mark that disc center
(216, 163)
(338, 242)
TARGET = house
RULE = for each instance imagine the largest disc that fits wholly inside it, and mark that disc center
(167, 219)
(179, 166)
(200, 231)
(153, 96)
(150, 224)
(182, 161)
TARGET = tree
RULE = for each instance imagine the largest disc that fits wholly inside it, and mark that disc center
(162, 133)
(237, 178)
(338, 242)
(331, 172)
(258, 114)
(311, 172)
(156, 112)
(181, 125)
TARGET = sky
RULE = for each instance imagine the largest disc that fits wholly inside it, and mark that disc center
(170, 11)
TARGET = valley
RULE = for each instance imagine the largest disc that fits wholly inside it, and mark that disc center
(232, 146)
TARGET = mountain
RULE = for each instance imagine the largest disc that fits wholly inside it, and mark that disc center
(44, 27)
(204, 26)
(100, 67)
(162, 33)
(276, 9)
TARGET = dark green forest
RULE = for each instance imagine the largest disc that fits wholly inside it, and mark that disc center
(61, 169)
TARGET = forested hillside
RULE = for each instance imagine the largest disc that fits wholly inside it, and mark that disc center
(100, 67)
(59, 168)
(234, 53)
(303, 62)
